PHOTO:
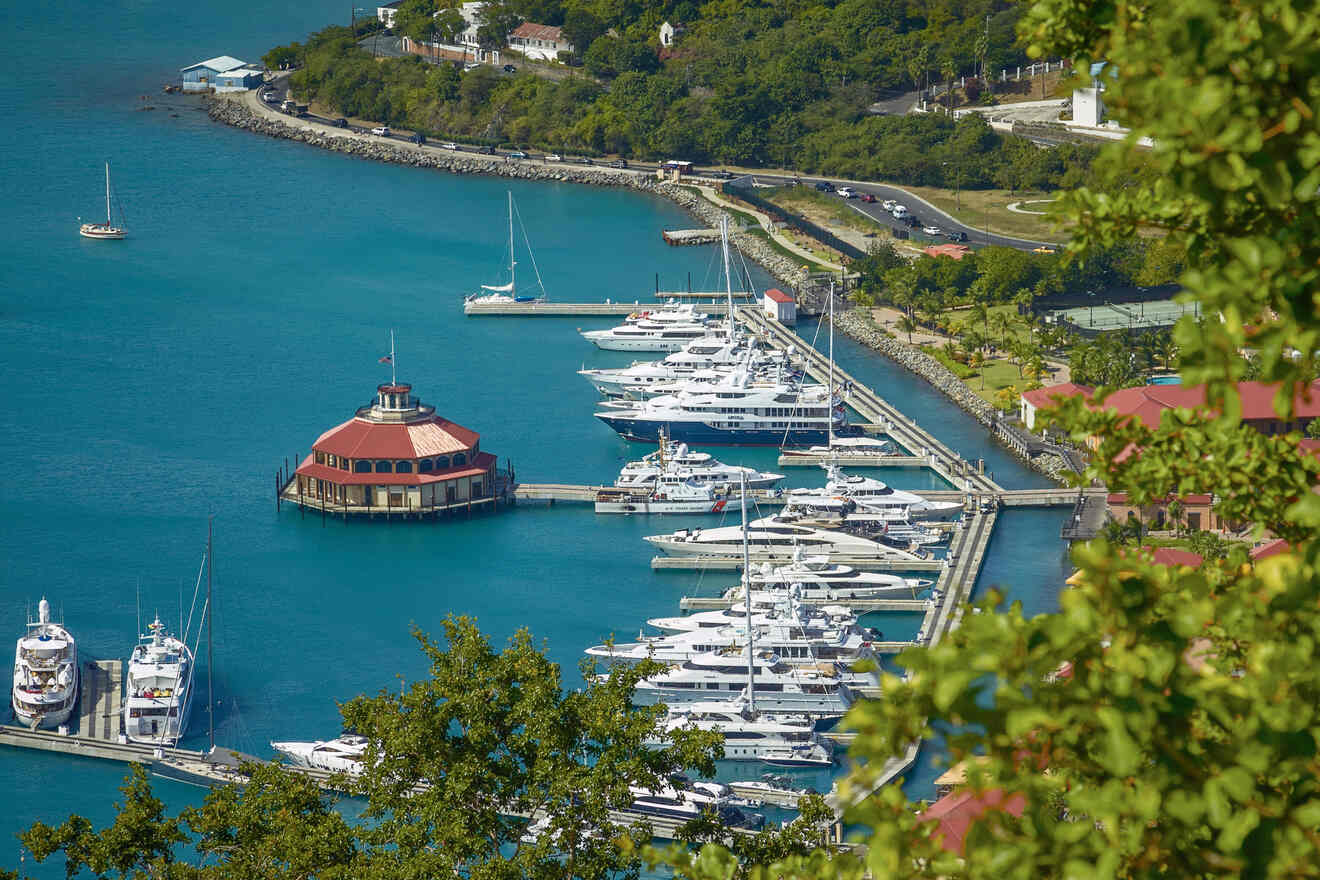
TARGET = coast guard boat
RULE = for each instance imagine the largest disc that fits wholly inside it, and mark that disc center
(46, 672)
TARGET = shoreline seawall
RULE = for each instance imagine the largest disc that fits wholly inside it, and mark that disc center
(237, 113)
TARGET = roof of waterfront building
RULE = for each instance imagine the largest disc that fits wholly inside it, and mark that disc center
(530, 31)
(220, 64)
(1270, 548)
(955, 251)
(1043, 397)
(480, 464)
(778, 295)
(1148, 402)
(957, 811)
(1173, 557)
(396, 425)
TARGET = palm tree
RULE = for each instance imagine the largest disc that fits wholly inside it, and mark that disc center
(1003, 323)
(907, 325)
(949, 68)
(980, 315)
(977, 362)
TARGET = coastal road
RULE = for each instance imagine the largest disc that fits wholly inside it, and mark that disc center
(925, 211)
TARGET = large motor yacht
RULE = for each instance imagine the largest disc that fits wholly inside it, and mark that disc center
(709, 352)
(670, 493)
(343, 754)
(871, 496)
(647, 335)
(737, 411)
(820, 691)
(778, 740)
(684, 801)
(771, 538)
(816, 578)
(159, 688)
(45, 672)
(701, 467)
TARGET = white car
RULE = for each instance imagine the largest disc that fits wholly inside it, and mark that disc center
(899, 211)
(846, 192)
(888, 204)
(381, 130)
(449, 145)
(931, 230)
(553, 157)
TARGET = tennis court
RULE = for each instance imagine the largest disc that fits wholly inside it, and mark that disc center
(1127, 316)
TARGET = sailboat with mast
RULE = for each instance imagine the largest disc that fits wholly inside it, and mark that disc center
(508, 292)
(106, 230)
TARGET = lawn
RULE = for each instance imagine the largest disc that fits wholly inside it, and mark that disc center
(973, 207)
(823, 209)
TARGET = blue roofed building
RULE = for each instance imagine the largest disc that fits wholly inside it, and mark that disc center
(202, 76)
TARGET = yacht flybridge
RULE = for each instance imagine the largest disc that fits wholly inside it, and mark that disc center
(816, 579)
(709, 353)
(159, 688)
(46, 673)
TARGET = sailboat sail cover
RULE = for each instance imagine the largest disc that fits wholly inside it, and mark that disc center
(502, 288)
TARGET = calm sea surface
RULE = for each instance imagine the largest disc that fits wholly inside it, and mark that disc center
(151, 383)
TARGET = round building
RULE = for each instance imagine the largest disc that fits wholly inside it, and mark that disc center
(395, 456)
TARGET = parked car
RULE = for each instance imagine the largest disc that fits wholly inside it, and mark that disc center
(956, 236)
(381, 131)
(867, 197)
(888, 204)
(619, 163)
(341, 122)
(899, 211)
(824, 186)
(472, 65)
(419, 138)
(846, 192)
(586, 160)
(509, 68)
(486, 151)
(516, 154)
(271, 98)
(931, 230)
(449, 145)
(553, 157)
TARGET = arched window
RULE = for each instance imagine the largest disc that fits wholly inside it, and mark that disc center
(460, 459)
(424, 466)
(442, 462)
(403, 467)
(361, 466)
(384, 467)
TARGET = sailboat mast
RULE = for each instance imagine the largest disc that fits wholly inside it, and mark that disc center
(107, 193)
(728, 279)
(210, 615)
(830, 406)
(513, 290)
(747, 600)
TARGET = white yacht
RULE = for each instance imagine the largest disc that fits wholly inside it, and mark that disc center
(818, 691)
(732, 412)
(159, 688)
(508, 292)
(871, 496)
(687, 800)
(672, 312)
(46, 672)
(778, 740)
(701, 467)
(798, 637)
(706, 353)
(844, 448)
(773, 539)
(675, 492)
(647, 335)
(816, 578)
(340, 755)
(108, 230)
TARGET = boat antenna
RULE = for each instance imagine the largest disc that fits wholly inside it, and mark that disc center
(728, 279)
(210, 615)
(747, 599)
(830, 402)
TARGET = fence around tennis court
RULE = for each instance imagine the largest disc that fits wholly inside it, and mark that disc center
(1131, 316)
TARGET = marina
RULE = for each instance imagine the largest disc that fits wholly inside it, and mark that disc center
(565, 309)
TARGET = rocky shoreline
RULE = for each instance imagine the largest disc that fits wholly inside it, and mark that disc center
(757, 249)
(237, 114)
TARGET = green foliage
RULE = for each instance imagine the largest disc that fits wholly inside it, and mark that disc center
(283, 57)
(1110, 360)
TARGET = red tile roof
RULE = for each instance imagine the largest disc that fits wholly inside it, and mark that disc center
(1044, 397)
(957, 811)
(481, 462)
(778, 295)
(956, 251)
(529, 31)
(359, 438)
(1173, 557)
(1148, 402)
(1122, 498)
(1270, 548)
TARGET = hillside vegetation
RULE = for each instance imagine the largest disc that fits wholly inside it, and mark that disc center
(760, 84)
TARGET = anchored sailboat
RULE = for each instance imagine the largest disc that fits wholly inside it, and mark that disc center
(508, 293)
(107, 229)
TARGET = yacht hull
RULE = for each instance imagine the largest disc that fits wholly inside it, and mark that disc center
(648, 431)
(719, 505)
(45, 720)
(804, 704)
(607, 343)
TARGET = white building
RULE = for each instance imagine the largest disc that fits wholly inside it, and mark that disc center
(1088, 108)
(668, 32)
(780, 306)
(541, 41)
(202, 76)
(386, 13)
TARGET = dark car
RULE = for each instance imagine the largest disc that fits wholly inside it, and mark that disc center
(955, 235)
(341, 122)
(486, 151)
(517, 154)
(867, 197)
(587, 161)
(824, 186)
(509, 68)
(722, 175)
(910, 220)
(419, 138)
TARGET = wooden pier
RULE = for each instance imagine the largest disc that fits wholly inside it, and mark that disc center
(101, 700)
(875, 409)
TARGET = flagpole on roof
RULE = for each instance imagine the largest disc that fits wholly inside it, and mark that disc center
(394, 370)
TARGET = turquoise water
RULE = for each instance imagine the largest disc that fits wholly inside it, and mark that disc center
(157, 381)
(1165, 380)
